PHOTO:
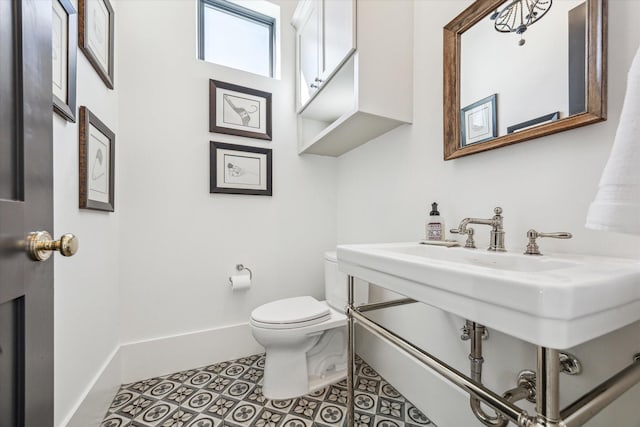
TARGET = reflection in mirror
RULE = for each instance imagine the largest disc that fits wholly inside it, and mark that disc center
(532, 80)
(545, 76)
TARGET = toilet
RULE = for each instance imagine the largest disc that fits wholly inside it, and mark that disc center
(305, 339)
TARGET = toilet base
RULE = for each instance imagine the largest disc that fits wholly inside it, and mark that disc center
(317, 383)
(293, 379)
(289, 374)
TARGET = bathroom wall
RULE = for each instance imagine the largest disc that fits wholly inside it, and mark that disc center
(178, 243)
(546, 184)
(86, 286)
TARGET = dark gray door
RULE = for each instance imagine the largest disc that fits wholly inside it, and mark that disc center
(26, 286)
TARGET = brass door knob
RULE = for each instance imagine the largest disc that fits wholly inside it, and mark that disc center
(40, 244)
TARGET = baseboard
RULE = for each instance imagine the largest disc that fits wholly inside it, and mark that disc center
(91, 409)
(136, 361)
(160, 356)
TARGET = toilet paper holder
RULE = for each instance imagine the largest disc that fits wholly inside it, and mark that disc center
(239, 268)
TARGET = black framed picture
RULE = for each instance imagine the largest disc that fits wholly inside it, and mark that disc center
(547, 118)
(239, 169)
(237, 110)
(64, 37)
(478, 121)
(95, 36)
(97, 160)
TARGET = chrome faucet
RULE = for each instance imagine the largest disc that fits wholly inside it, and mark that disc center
(496, 242)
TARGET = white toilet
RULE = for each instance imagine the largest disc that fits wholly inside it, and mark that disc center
(305, 339)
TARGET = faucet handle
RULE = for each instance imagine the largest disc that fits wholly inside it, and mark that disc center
(497, 210)
(470, 243)
(532, 235)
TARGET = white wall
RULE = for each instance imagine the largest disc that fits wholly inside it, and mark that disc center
(86, 286)
(385, 189)
(179, 243)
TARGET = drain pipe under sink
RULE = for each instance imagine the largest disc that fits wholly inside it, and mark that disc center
(525, 390)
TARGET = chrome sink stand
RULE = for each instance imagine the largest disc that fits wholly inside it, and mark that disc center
(546, 389)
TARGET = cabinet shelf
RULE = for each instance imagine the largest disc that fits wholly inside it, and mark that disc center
(348, 132)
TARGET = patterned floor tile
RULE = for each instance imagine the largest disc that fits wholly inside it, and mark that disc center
(200, 400)
(202, 420)
(388, 391)
(161, 390)
(362, 419)
(390, 408)
(244, 414)
(337, 395)
(366, 402)
(179, 418)
(222, 406)
(155, 413)
(229, 394)
(331, 415)
(293, 421)
(280, 405)
(114, 421)
(416, 417)
(269, 418)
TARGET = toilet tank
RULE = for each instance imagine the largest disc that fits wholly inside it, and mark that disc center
(335, 285)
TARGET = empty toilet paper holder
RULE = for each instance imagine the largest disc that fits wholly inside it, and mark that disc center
(239, 268)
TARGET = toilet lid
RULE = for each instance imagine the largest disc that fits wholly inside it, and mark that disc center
(292, 311)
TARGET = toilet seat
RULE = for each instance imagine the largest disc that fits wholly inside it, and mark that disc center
(290, 313)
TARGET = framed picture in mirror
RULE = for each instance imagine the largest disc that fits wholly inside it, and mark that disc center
(551, 117)
(479, 121)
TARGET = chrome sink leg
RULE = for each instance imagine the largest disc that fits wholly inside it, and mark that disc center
(351, 352)
(548, 387)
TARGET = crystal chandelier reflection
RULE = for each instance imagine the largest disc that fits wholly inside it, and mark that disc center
(518, 15)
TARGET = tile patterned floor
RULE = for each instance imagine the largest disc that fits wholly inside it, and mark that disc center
(229, 394)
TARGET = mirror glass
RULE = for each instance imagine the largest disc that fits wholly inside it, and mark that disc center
(508, 79)
(542, 79)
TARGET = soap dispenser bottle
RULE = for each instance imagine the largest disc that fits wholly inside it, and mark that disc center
(435, 224)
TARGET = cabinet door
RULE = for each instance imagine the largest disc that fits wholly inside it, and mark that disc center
(309, 52)
(338, 30)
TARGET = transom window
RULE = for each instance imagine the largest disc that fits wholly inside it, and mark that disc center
(236, 37)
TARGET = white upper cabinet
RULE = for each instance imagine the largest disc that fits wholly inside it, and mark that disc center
(308, 35)
(354, 72)
(337, 34)
(325, 37)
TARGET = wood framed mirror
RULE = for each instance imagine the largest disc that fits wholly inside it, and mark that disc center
(499, 90)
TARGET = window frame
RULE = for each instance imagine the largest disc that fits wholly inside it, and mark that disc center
(238, 11)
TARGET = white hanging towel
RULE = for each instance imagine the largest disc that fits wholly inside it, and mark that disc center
(617, 203)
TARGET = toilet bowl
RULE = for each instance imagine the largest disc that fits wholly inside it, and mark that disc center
(305, 339)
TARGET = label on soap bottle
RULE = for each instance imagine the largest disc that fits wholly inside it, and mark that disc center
(434, 231)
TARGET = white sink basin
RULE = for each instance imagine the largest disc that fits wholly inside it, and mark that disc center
(557, 301)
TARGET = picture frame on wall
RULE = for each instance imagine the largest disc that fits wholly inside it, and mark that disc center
(237, 110)
(239, 169)
(95, 36)
(478, 121)
(64, 37)
(97, 163)
(547, 118)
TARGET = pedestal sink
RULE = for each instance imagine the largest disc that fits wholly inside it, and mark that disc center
(554, 301)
